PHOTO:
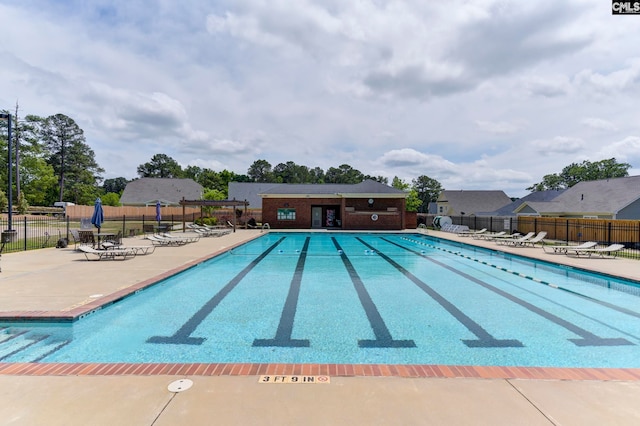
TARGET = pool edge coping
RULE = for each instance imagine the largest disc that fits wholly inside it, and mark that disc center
(333, 370)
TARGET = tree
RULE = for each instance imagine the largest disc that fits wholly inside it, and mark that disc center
(115, 185)
(585, 171)
(428, 190)
(260, 171)
(343, 174)
(160, 166)
(291, 172)
(111, 199)
(69, 155)
(400, 184)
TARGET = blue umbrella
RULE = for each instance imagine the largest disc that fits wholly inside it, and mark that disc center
(158, 214)
(98, 214)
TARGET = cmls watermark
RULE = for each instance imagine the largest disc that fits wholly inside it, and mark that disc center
(625, 7)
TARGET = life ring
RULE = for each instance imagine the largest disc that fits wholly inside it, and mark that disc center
(374, 217)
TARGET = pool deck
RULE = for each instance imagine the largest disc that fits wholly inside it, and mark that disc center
(60, 283)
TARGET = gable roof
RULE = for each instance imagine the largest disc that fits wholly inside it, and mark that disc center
(537, 196)
(146, 191)
(472, 202)
(249, 191)
(253, 192)
(605, 197)
(363, 189)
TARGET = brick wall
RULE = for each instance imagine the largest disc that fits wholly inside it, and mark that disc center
(358, 219)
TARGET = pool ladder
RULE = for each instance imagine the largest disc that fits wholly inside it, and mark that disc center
(265, 226)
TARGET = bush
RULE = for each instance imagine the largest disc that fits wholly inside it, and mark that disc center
(207, 221)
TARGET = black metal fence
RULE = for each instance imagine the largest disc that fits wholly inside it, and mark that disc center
(559, 230)
(35, 232)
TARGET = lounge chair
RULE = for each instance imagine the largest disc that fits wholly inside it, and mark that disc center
(490, 235)
(138, 249)
(535, 240)
(112, 254)
(566, 249)
(190, 238)
(610, 251)
(515, 241)
(161, 241)
(469, 233)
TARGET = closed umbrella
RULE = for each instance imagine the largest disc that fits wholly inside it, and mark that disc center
(158, 214)
(98, 215)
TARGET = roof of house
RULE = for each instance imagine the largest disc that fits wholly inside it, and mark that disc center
(253, 192)
(471, 202)
(606, 196)
(537, 196)
(249, 191)
(362, 189)
(169, 191)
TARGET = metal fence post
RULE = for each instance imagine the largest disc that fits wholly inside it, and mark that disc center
(24, 222)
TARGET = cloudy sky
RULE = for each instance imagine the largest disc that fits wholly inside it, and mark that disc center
(478, 94)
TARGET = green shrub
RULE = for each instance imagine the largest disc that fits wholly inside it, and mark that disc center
(207, 221)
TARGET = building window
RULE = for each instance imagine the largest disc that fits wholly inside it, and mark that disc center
(286, 214)
(441, 209)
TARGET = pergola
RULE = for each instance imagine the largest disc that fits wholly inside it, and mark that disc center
(213, 203)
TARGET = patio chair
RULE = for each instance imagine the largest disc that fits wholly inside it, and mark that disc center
(138, 249)
(515, 241)
(161, 241)
(609, 251)
(567, 248)
(533, 241)
(468, 233)
(490, 236)
(117, 253)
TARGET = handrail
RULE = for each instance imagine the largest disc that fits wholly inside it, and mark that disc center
(265, 225)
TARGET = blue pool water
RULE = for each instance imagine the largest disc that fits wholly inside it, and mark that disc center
(355, 298)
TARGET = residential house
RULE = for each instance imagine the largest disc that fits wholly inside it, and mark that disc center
(169, 191)
(617, 198)
(510, 209)
(463, 202)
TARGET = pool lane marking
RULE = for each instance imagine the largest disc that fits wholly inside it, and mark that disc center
(587, 338)
(285, 327)
(485, 339)
(183, 335)
(383, 336)
(537, 280)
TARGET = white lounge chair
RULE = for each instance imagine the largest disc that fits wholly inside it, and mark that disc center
(115, 253)
(161, 241)
(468, 233)
(610, 251)
(515, 241)
(138, 249)
(566, 249)
(533, 241)
(492, 235)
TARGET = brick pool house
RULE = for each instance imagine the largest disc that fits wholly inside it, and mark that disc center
(368, 205)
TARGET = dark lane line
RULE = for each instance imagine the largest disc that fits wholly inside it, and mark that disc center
(568, 273)
(285, 327)
(183, 335)
(587, 338)
(485, 339)
(383, 336)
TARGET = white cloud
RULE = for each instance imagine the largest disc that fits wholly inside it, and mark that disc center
(484, 94)
(599, 124)
(497, 127)
(558, 144)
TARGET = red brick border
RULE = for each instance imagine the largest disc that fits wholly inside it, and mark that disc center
(335, 370)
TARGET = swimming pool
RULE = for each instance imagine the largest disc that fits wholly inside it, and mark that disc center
(355, 298)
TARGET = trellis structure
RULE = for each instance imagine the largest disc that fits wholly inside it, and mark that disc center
(213, 203)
